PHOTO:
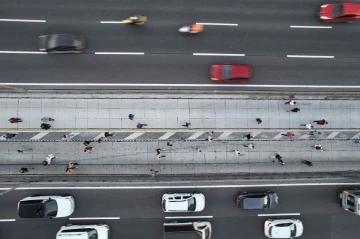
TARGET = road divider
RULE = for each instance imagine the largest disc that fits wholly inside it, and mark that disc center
(187, 217)
(216, 54)
(119, 53)
(94, 218)
(314, 27)
(23, 52)
(20, 20)
(218, 24)
(278, 214)
(309, 56)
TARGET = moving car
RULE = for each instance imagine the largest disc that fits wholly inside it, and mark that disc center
(100, 231)
(339, 12)
(257, 200)
(221, 73)
(283, 228)
(183, 202)
(350, 200)
(61, 43)
(38, 206)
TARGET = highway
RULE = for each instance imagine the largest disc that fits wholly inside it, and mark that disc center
(265, 34)
(141, 214)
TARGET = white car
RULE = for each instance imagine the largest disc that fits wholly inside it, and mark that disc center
(100, 231)
(183, 202)
(38, 206)
(283, 228)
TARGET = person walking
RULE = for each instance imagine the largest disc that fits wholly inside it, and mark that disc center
(88, 149)
(318, 147)
(47, 119)
(290, 102)
(237, 152)
(289, 134)
(45, 126)
(248, 136)
(21, 149)
(131, 116)
(309, 126)
(48, 159)
(321, 122)
(9, 135)
(250, 146)
(87, 143)
(281, 162)
(140, 126)
(198, 150)
(170, 143)
(295, 110)
(187, 124)
(315, 133)
(70, 167)
(153, 172)
(210, 138)
(307, 163)
(15, 120)
(24, 170)
(258, 120)
(107, 134)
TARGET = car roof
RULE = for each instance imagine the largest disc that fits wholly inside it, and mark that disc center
(281, 232)
(253, 202)
(30, 209)
(176, 205)
(351, 8)
(65, 40)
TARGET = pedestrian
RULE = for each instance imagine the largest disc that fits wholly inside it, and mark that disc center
(21, 150)
(15, 120)
(100, 139)
(309, 126)
(131, 116)
(237, 152)
(48, 159)
(289, 134)
(9, 135)
(153, 172)
(321, 122)
(281, 162)
(45, 126)
(67, 136)
(87, 143)
(158, 151)
(210, 138)
(159, 156)
(277, 156)
(187, 124)
(248, 136)
(88, 149)
(170, 143)
(258, 120)
(24, 170)
(139, 126)
(199, 150)
(318, 147)
(250, 146)
(211, 132)
(306, 162)
(315, 133)
(70, 167)
(295, 110)
(107, 134)
(290, 102)
(47, 119)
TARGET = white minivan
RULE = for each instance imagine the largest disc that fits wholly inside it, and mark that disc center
(101, 231)
(350, 200)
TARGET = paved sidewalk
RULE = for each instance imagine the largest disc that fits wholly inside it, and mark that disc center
(76, 113)
(182, 158)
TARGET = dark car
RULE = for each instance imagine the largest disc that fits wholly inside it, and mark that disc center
(38, 208)
(61, 43)
(257, 200)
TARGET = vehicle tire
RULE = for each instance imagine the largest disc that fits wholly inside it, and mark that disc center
(36, 195)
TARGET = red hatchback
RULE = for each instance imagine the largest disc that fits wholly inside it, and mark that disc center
(221, 73)
(339, 12)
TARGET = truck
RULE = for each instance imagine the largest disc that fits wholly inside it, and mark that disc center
(187, 230)
(350, 200)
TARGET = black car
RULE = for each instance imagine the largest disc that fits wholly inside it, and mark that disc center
(38, 208)
(61, 43)
(257, 200)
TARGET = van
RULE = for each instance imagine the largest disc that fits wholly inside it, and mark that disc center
(350, 200)
(83, 232)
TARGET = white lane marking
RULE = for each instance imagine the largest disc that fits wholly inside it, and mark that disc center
(5, 189)
(195, 136)
(7, 220)
(39, 135)
(305, 136)
(119, 53)
(185, 85)
(217, 24)
(332, 135)
(133, 136)
(20, 20)
(192, 186)
(224, 135)
(167, 135)
(101, 135)
(94, 218)
(23, 52)
(278, 214)
(113, 22)
(356, 136)
(315, 27)
(185, 217)
(309, 56)
(71, 135)
(216, 54)
(279, 136)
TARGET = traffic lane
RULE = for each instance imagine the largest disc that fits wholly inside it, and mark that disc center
(173, 69)
(146, 203)
(250, 39)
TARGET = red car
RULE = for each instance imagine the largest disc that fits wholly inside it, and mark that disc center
(339, 12)
(230, 72)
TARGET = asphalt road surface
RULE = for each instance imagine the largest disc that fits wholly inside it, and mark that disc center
(141, 215)
(263, 34)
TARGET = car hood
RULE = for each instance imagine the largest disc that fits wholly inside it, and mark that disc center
(65, 207)
(273, 200)
(103, 232)
(326, 11)
(299, 229)
(43, 40)
(200, 202)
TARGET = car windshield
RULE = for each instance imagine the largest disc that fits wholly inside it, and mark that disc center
(293, 230)
(52, 42)
(350, 203)
(51, 208)
(207, 233)
(266, 201)
(338, 10)
(227, 70)
(92, 233)
(191, 204)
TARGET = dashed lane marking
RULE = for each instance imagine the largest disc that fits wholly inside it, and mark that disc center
(278, 214)
(217, 24)
(216, 54)
(314, 27)
(7, 220)
(309, 56)
(23, 52)
(119, 53)
(94, 218)
(186, 217)
(113, 22)
(20, 20)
